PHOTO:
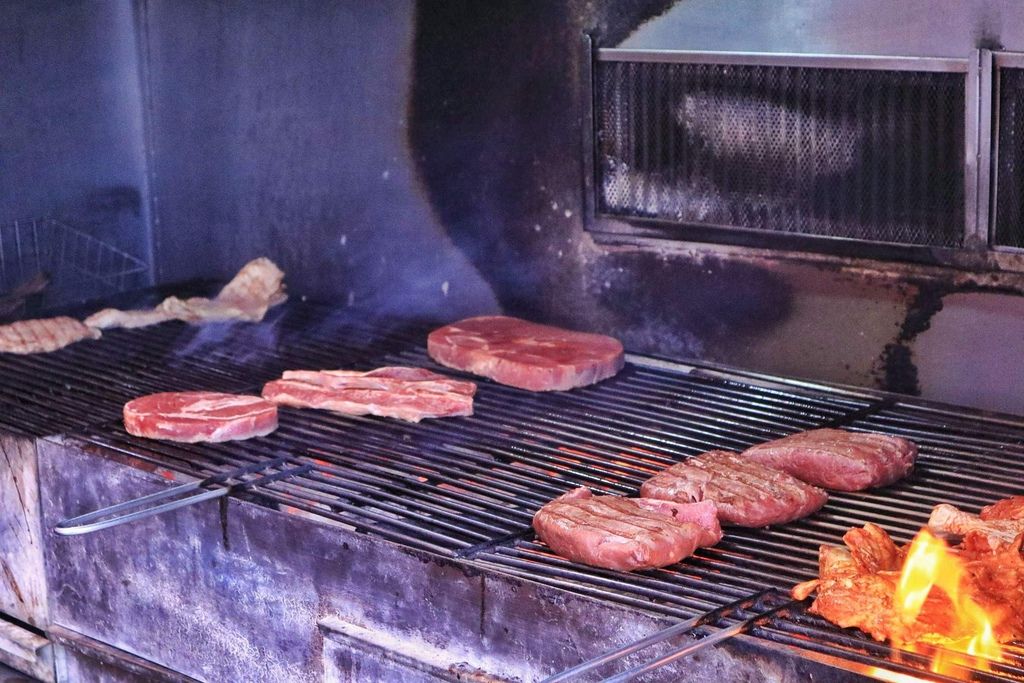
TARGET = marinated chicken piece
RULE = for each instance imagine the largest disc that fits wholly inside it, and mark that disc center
(993, 532)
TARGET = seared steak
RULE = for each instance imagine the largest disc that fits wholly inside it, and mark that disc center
(838, 459)
(745, 492)
(199, 416)
(410, 394)
(625, 533)
(45, 334)
(524, 354)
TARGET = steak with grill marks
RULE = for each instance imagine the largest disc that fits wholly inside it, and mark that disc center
(41, 335)
(625, 533)
(838, 459)
(526, 355)
(193, 416)
(745, 492)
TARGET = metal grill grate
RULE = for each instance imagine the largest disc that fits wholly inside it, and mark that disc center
(863, 154)
(1009, 210)
(468, 487)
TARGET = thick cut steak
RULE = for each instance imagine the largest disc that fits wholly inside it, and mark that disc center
(625, 533)
(746, 493)
(838, 459)
(258, 286)
(410, 394)
(524, 354)
(45, 334)
(193, 416)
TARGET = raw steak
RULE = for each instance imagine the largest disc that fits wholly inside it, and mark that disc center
(838, 459)
(45, 334)
(625, 533)
(524, 354)
(386, 379)
(193, 416)
(258, 286)
(409, 394)
(745, 492)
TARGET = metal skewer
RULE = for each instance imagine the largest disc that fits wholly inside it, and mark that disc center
(698, 645)
(708, 617)
(139, 508)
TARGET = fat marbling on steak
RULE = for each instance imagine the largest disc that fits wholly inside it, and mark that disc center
(44, 334)
(193, 416)
(837, 459)
(745, 492)
(409, 394)
(524, 354)
(625, 533)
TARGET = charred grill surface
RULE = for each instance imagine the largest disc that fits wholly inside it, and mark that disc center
(468, 487)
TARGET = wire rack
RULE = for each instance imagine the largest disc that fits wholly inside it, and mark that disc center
(79, 266)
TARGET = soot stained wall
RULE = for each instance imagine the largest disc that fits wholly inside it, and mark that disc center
(427, 158)
(279, 129)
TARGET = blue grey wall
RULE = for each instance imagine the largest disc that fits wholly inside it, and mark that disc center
(71, 126)
(424, 158)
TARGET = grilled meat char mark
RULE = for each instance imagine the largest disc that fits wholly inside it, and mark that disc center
(837, 459)
(745, 492)
(625, 533)
(194, 416)
(409, 394)
(524, 354)
(43, 335)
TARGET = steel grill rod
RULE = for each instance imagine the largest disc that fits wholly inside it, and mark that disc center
(469, 487)
(653, 639)
(146, 506)
(705, 642)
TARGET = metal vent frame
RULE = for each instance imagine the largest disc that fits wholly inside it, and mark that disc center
(978, 252)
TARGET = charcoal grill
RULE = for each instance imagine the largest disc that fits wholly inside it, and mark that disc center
(464, 490)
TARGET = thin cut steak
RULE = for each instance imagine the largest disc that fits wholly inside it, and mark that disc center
(524, 354)
(625, 533)
(45, 334)
(258, 286)
(410, 394)
(385, 379)
(838, 459)
(745, 492)
(193, 416)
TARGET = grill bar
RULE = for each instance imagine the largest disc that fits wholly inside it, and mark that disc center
(468, 487)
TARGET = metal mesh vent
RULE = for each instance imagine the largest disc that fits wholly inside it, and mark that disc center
(1009, 229)
(863, 154)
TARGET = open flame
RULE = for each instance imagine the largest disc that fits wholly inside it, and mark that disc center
(932, 572)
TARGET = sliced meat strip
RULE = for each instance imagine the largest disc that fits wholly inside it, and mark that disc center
(194, 416)
(42, 335)
(385, 379)
(526, 355)
(745, 492)
(625, 533)
(409, 394)
(838, 459)
(258, 286)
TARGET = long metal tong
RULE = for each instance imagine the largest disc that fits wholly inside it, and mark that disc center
(707, 619)
(177, 497)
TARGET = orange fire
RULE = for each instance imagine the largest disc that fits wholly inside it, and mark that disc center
(931, 566)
